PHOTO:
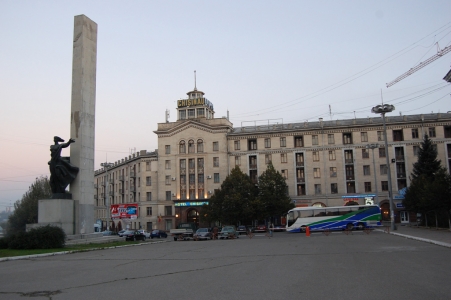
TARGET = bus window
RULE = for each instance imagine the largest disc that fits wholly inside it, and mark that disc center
(320, 212)
(306, 213)
(355, 208)
(332, 212)
(344, 210)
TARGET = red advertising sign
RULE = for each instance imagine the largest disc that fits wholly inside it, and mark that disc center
(124, 211)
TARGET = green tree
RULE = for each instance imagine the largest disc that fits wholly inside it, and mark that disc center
(427, 163)
(26, 209)
(273, 199)
(234, 201)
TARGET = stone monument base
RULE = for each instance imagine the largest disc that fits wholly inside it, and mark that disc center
(59, 212)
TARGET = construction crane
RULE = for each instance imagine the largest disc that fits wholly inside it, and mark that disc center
(439, 54)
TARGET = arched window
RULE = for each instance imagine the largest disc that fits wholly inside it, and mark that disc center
(319, 204)
(191, 148)
(182, 147)
(200, 146)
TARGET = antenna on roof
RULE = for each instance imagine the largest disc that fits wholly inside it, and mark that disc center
(195, 88)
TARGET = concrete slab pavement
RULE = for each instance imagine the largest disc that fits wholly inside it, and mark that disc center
(441, 237)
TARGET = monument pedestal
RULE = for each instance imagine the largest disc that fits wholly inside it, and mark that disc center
(59, 212)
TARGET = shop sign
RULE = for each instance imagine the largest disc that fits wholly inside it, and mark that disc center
(191, 203)
(124, 211)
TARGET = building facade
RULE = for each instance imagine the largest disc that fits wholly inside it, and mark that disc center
(325, 163)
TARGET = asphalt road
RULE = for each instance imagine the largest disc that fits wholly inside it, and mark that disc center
(287, 266)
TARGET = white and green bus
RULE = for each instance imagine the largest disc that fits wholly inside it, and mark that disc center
(333, 218)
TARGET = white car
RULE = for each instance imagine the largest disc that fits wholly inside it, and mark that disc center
(145, 232)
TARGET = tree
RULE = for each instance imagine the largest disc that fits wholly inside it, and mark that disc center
(427, 164)
(26, 209)
(273, 199)
(234, 201)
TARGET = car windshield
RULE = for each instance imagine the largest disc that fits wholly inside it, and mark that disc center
(155, 231)
(227, 229)
(202, 230)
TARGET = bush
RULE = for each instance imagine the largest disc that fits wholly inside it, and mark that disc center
(4, 243)
(46, 237)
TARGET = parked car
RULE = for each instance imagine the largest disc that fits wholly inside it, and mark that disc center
(145, 232)
(120, 233)
(241, 229)
(228, 232)
(131, 235)
(158, 234)
(107, 232)
(202, 234)
(260, 228)
(279, 228)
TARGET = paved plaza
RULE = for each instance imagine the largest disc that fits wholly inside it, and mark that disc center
(339, 266)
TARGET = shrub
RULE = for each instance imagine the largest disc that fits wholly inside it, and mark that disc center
(46, 237)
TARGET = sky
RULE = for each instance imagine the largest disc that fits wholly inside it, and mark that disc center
(261, 62)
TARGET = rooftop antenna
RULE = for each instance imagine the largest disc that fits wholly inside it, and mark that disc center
(382, 98)
(330, 112)
(195, 87)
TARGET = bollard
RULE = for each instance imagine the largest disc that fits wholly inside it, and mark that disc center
(307, 231)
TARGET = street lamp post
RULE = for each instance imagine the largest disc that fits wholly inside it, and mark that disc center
(107, 165)
(372, 147)
(383, 109)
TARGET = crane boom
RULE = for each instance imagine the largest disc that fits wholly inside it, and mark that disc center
(439, 54)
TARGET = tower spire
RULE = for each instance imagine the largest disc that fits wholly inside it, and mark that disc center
(195, 88)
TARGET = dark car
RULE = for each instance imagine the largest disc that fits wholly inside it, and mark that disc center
(203, 234)
(131, 235)
(242, 229)
(158, 234)
(260, 228)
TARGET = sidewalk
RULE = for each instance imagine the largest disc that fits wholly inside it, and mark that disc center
(440, 237)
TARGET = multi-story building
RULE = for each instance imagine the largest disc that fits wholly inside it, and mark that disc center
(325, 163)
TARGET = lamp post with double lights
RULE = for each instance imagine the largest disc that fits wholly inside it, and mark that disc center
(383, 109)
(372, 147)
(107, 165)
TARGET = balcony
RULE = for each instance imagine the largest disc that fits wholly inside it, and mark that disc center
(253, 166)
(132, 174)
(299, 164)
(121, 177)
(400, 158)
(350, 177)
(401, 175)
(132, 189)
(301, 180)
(349, 160)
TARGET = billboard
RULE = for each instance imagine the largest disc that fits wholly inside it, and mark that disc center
(124, 211)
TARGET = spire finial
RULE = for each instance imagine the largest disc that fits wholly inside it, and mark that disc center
(195, 88)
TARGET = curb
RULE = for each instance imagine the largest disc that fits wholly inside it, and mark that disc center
(73, 251)
(419, 239)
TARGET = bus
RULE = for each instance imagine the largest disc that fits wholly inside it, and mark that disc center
(333, 218)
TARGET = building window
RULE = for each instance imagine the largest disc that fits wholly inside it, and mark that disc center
(237, 145)
(191, 164)
(381, 152)
(365, 153)
(315, 156)
(168, 195)
(285, 174)
(215, 146)
(148, 166)
(182, 147)
(331, 138)
(366, 170)
(149, 197)
(215, 161)
(237, 160)
(268, 158)
(200, 178)
(415, 133)
(216, 177)
(367, 187)
(192, 178)
(149, 211)
(252, 144)
(267, 143)
(317, 189)
(191, 113)
(167, 164)
(432, 132)
(191, 148)
(315, 139)
(397, 135)
(347, 138)
(200, 112)
(364, 136)
(298, 141)
(283, 157)
(301, 189)
(316, 172)
(167, 149)
(416, 150)
(200, 146)
(168, 180)
(380, 136)
(383, 169)
(384, 185)
(334, 188)
(447, 130)
(333, 171)
(148, 181)
(182, 114)
(332, 155)
(168, 210)
(200, 165)
(283, 142)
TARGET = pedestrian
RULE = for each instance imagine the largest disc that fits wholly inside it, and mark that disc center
(271, 229)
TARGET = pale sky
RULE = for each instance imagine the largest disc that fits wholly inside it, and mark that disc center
(287, 61)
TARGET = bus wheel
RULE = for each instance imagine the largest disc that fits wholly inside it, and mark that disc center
(349, 226)
(361, 226)
(302, 229)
